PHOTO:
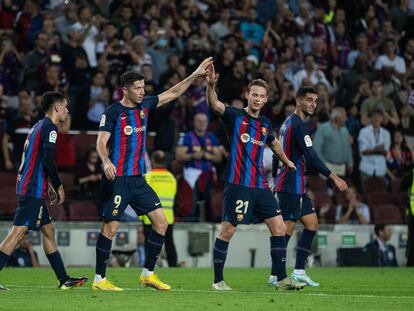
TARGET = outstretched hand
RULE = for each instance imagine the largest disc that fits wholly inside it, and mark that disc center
(202, 69)
(211, 75)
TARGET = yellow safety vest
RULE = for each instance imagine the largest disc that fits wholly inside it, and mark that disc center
(412, 197)
(165, 186)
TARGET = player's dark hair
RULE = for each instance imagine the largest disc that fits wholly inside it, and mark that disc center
(49, 99)
(301, 93)
(378, 228)
(158, 158)
(258, 82)
(130, 77)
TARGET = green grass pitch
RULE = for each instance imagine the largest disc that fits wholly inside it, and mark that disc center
(341, 289)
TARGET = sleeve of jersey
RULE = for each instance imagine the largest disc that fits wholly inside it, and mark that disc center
(305, 145)
(271, 137)
(108, 120)
(230, 115)
(49, 159)
(150, 102)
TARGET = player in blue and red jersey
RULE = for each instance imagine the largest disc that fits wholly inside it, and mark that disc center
(247, 197)
(37, 165)
(291, 186)
(122, 131)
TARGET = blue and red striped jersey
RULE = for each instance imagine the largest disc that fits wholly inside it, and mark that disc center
(128, 127)
(32, 177)
(196, 143)
(297, 145)
(247, 138)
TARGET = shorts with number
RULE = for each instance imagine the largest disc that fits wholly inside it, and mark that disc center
(294, 206)
(31, 212)
(244, 205)
(124, 191)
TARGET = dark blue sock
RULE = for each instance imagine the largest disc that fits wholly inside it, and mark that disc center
(287, 238)
(278, 254)
(154, 245)
(219, 256)
(56, 262)
(303, 248)
(4, 258)
(103, 250)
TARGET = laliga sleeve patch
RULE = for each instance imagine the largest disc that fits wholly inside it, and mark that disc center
(52, 137)
(103, 120)
(308, 141)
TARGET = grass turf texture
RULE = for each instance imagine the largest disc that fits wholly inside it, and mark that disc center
(341, 289)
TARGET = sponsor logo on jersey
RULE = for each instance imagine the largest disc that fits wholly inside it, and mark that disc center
(128, 130)
(245, 137)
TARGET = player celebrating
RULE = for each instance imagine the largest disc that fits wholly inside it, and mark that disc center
(123, 126)
(290, 186)
(38, 164)
(247, 197)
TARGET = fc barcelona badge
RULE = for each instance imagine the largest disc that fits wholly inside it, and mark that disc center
(114, 212)
(264, 131)
(240, 217)
(142, 114)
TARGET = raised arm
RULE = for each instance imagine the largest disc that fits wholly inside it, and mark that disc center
(216, 105)
(101, 148)
(178, 89)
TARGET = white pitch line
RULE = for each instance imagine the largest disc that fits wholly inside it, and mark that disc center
(202, 291)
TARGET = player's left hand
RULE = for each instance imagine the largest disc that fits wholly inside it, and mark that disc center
(52, 194)
(202, 69)
(291, 166)
(340, 184)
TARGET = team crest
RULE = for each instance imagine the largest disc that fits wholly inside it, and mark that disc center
(142, 114)
(245, 137)
(240, 217)
(264, 131)
(128, 130)
(114, 212)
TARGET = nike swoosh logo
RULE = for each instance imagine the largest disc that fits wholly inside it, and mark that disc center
(156, 204)
(245, 123)
(278, 210)
(123, 118)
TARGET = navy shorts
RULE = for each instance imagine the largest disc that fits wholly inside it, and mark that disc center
(124, 191)
(244, 205)
(31, 212)
(294, 206)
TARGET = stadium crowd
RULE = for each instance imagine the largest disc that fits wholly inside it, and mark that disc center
(357, 54)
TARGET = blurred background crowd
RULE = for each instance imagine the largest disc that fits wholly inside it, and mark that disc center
(358, 54)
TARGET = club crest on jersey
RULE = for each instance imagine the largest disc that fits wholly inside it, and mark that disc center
(245, 137)
(128, 130)
(264, 131)
(142, 114)
(308, 141)
(240, 217)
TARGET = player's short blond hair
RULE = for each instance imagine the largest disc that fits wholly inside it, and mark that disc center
(258, 82)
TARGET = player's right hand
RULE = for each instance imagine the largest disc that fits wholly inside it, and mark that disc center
(340, 184)
(211, 75)
(52, 194)
(61, 194)
(110, 170)
(291, 166)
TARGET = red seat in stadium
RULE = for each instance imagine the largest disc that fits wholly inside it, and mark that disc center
(216, 205)
(387, 214)
(83, 211)
(395, 186)
(316, 183)
(8, 179)
(57, 213)
(83, 142)
(374, 184)
(8, 202)
(378, 198)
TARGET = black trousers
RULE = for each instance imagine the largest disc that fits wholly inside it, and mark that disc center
(410, 242)
(168, 242)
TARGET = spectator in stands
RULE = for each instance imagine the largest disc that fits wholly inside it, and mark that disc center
(28, 24)
(10, 64)
(332, 143)
(142, 57)
(99, 98)
(88, 176)
(52, 81)
(361, 48)
(378, 101)
(353, 211)
(374, 143)
(325, 212)
(252, 32)
(199, 150)
(220, 28)
(386, 251)
(34, 70)
(164, 184)
(17, 128)
(400, 157)
(24, 255)
(391, 59)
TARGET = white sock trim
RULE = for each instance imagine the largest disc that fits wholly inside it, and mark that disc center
(98, 278)
(299, 271)
(145, 272)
